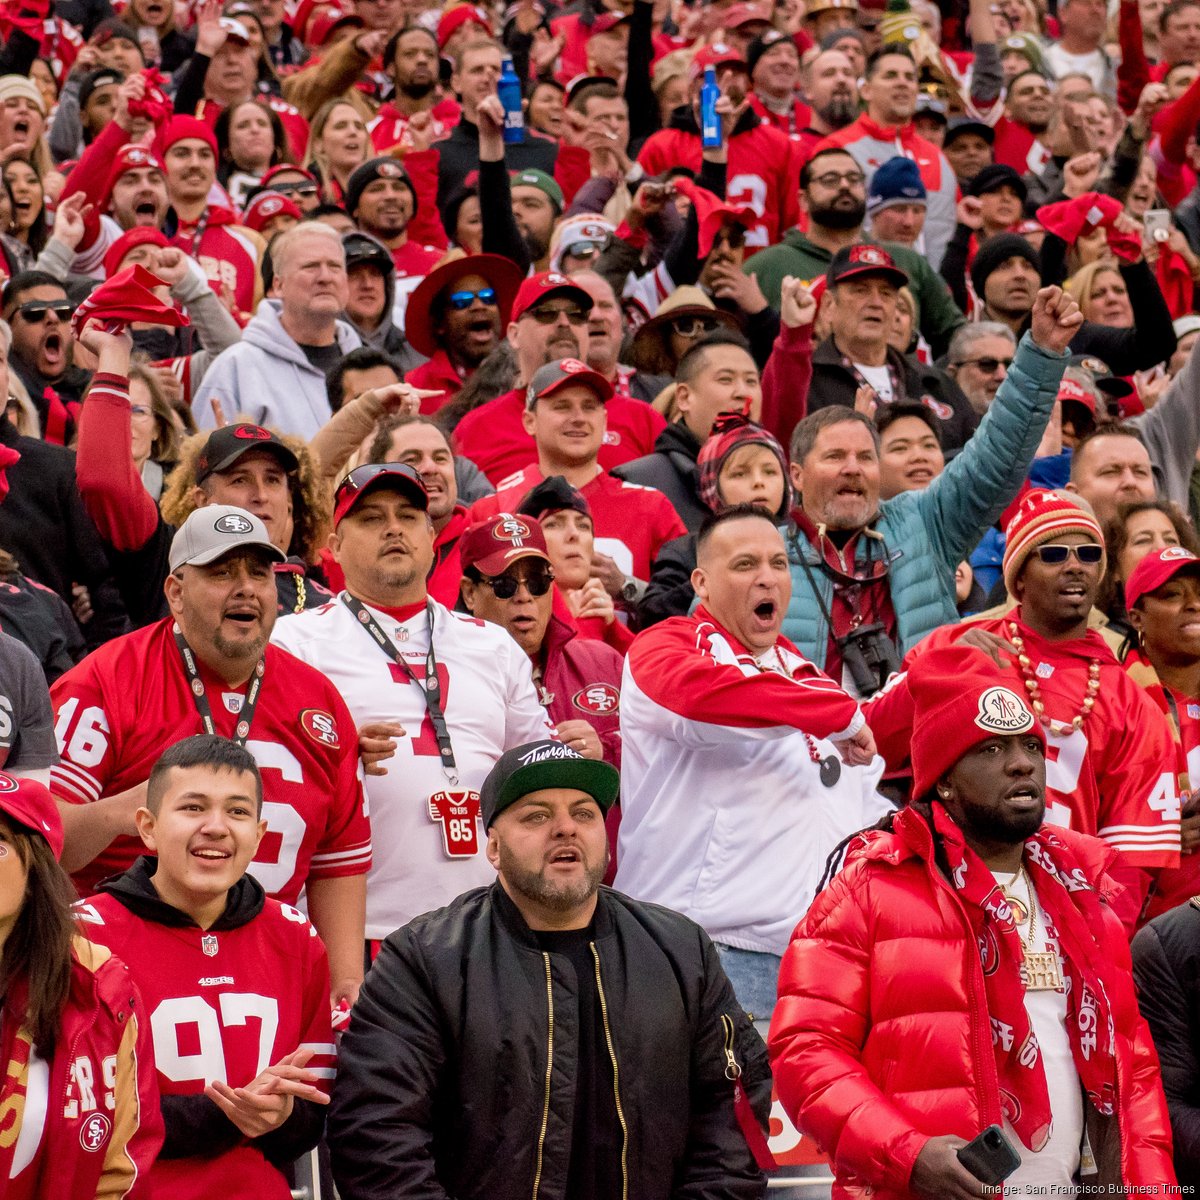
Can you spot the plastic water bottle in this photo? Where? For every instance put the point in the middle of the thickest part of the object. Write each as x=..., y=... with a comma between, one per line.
x=509, y=91
x=710, y=121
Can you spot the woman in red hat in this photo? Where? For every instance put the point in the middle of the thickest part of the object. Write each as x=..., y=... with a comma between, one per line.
x=79, y=1108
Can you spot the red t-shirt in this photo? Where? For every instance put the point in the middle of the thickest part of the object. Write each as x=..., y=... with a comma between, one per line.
x=119, y=709
x=631, y=522
x=494, y=439
x=223, y=1005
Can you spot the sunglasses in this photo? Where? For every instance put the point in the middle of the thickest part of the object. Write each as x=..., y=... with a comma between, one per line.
x=504, y=587
x=581, y=250
x=987, y=365
x=34, y=311
x=361, y=476
x=295, y=189
x=462, y=300
x=549, y=316
x=1055, y=555
x=694, y=326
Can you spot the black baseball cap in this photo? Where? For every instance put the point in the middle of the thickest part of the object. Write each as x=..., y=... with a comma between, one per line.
x=995, y=176
x=553, y=494
x=227, y=444
x=851, y=262
x=545, y=764
x=964, y=125
x=1102, y=375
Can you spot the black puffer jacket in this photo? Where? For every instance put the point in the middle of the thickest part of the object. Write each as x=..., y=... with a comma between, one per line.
x=671, y=468
x=1166, y=968
x=444, y=1088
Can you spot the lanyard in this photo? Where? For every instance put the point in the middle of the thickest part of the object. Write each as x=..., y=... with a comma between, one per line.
x=198, y=233
x=431, y=688
x=200, y=694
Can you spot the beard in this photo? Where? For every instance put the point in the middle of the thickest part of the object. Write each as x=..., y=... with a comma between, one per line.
x=556, y=897
x=839, y=112
x=235, y=651
x=986, y=824
x=837, y=215
x=416, y=91
x=536, y=245
x=561, y=344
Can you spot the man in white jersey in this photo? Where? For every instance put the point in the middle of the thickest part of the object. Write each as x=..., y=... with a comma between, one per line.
x=439, y=695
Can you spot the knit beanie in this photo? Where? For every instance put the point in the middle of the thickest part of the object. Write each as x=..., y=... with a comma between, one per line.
x=139, y=235
x=960, y=698
x=997, y=250
x=383, y=167
x=130, y=157
x=898, y=181
x=12, y=86
x=731, y=432
x=1042, y=516
x=181, y=127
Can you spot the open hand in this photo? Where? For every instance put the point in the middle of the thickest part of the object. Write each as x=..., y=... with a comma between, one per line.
x=266, y=1102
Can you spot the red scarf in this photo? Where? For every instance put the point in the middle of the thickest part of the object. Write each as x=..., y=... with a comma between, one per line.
x=1072, y=910
x=16, y=1046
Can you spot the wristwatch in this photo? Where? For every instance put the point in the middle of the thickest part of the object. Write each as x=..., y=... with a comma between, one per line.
x=632, y=590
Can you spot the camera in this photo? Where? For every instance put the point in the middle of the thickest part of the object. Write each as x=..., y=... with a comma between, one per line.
x=870, y=656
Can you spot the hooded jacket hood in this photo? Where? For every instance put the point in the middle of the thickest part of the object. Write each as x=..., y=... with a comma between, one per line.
x=134, y=889
x=377, y=338
x=265, y=330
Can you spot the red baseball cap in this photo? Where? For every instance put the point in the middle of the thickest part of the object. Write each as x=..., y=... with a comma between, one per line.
x=1078, y=386
x=266, y=206
x=542, y=285
x=563, y=373
x=719, y=54
x=745, y=14
x=328, y=21
x=491, y=545
x=372, y=476
x=31, y=806
x=1156, y=569
x=852, y=262
x=280, y=169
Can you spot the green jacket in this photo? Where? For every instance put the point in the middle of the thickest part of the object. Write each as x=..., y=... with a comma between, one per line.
x=937, y=314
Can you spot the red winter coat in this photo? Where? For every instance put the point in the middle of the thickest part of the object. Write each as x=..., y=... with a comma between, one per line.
x=881, y=1038
x=582, y=682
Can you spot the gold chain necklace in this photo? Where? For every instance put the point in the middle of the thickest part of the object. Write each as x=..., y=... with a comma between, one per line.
x=1035, y=691
x=1041, y=970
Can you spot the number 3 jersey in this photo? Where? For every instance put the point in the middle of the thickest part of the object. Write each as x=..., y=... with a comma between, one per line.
x=223, y=1003
x=123, y=705
x=490, y=706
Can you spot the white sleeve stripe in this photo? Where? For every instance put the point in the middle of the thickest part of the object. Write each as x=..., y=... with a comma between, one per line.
x=79, y=783
x=329, y=1048
x=81, y=774
x=336, y=855
x=1140, y=830
x=1116, y=843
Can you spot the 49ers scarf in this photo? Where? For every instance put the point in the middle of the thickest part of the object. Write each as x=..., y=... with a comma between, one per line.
x=1072, y=910
x=16, y=1046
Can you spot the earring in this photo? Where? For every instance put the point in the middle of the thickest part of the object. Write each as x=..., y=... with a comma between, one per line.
x=944, y=793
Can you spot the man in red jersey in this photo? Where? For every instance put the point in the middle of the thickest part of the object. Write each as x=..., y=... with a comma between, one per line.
x=1110, y=759
x=236, y=985
x=565, y=409
x=207, y=667
x=549, y=320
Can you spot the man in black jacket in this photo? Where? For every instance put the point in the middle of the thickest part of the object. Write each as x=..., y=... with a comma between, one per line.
x=717, y=374
x=546, y=1036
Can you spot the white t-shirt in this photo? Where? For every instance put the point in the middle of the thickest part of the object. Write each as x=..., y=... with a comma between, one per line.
x=1058, y=1160
x=490, y=704
x=880, y=378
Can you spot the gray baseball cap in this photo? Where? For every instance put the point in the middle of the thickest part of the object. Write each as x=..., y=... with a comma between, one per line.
x=216, y=530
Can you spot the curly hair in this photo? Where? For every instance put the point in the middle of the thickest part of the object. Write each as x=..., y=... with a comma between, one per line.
x=311, y=502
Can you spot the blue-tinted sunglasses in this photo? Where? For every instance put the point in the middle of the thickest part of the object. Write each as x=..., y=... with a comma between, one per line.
x=461, y=300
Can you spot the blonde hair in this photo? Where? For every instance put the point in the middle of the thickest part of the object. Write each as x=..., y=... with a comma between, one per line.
x=28, y=424
x=1079, y=286
x=316, y=132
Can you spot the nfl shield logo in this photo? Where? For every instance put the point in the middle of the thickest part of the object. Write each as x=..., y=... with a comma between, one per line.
x=208, y=943
x=1044, y=670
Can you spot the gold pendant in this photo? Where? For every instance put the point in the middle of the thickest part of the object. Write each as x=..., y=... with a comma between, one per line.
x=1041, y=971
x=1019, y=911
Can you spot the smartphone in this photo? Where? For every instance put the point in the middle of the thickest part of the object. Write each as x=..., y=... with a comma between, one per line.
x=1157, y=223
x=990, y=1157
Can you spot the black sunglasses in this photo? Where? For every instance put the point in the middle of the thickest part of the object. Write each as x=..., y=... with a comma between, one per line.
x=549, y=316
x=987, y=365
x=694, y=326
x=1055, y=555
x=462, y=300
x=34, y=311
x=361, y=476
x=300, y=188
x=504, y=587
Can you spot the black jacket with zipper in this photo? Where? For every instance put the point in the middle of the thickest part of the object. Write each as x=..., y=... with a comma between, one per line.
x=671, y=468
x=456, y=1077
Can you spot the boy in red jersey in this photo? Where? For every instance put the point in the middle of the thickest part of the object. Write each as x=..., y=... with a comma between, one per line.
x=237, y=985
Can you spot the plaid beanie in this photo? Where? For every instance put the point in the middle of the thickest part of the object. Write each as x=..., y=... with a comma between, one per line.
x=731, y=432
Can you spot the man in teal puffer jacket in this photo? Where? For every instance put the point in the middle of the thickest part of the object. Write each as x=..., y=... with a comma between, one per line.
x=858, y=562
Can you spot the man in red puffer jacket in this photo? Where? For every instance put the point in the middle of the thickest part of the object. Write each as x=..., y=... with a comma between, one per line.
x=965, y=970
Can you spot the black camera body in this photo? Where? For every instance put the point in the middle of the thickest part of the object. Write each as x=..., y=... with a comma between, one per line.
x=870, y=656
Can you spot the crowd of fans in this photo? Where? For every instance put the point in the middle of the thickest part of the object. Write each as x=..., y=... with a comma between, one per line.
x=583, y=584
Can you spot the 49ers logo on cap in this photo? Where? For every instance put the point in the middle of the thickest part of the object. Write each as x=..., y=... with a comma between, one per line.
x=572, y=366
x=320, y=726
x=389, y=170
x=135, y=156
x=510, y=529
x=272, y=204
x=233, y=523
x=554, y=279
x=599, y=699
x=1177, y=554
x=252, y=433
x=94, y=1132
x=8, y=783
x=871, y=255
x=943, y=412
x=1001, y=711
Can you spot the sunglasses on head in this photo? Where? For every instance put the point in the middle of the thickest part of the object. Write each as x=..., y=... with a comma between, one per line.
x=581, y=250
x=461, y=300
x=549, y=316
x=1055, y=555
x=361, y=476
x=504, y=587
x=694, y=326
x=34, y=311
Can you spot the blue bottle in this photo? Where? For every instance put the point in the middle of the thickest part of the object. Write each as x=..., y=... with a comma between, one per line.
x=710, y=122
x=509, y=91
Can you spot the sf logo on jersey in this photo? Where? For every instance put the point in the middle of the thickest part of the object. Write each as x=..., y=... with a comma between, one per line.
x=94, y=1131
x=599, y=698
x=320, y=726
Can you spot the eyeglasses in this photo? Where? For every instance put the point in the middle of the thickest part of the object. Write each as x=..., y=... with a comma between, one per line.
x=987, y=365
x=1055, y=555
x=689, y=327
x=34, y=311
x=549, y=316
x=581, y=250
x=462, y=300
x=832, y=179
x=504, y=587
